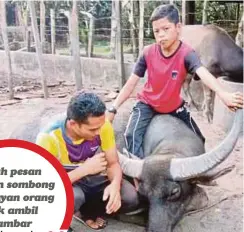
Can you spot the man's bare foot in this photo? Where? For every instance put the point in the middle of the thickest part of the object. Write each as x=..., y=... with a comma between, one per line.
x=98, y=224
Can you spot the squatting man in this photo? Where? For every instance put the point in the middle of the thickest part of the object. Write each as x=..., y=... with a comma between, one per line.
x=97, y=181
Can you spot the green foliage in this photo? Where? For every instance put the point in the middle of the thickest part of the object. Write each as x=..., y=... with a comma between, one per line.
x=83, y=35
x=216, y=11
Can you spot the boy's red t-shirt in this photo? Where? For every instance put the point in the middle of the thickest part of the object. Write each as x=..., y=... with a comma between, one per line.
x=165, y=77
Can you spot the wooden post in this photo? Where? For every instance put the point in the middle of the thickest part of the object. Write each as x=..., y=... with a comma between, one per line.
x=238, y=11
x=183, y=12
x=70, y=36
x=38, y=46
x=27, y=30
x=141, y=26
x=239, y=35
x=53, y=29
x=28, y=40
x=113, y=32
x=6, y=47
x=90, y=36
x=42, y=22
x=76, y=46
x=204, y=12
x=132, y=29
x=119, y=45
x=21, y=19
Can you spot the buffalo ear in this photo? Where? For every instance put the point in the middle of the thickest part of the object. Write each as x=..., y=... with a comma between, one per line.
x=208, y=178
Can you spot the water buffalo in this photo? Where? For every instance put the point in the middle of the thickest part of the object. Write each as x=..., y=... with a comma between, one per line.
x=218, y=53
x=175, y=161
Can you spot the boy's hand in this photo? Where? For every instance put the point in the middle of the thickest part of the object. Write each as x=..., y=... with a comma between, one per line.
x=110, y=116
x=232, y=100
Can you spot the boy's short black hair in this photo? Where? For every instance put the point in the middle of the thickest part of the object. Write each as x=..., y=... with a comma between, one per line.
x=83, y=105
x=169, y=11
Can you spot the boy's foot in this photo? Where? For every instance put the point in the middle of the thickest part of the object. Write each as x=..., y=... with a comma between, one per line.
x=97, y=224
x=129, y=155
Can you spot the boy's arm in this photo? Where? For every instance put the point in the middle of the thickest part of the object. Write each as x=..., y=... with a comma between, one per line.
x=232, y=100
x=126, y=90
x=138, y=72
x=193, y=65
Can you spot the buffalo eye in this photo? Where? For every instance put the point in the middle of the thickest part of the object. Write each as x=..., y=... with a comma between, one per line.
x=174, y=194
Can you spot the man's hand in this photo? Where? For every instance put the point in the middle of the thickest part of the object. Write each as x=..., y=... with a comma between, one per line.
x=232, y=100
x=96, y=164
x=112, y=192
x=110, y=116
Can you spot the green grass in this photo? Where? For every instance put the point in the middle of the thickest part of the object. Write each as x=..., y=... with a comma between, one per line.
x=100, y=48
x=105, y=49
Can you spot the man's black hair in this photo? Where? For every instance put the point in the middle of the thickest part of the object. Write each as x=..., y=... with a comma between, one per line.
x=168, y=11
x=83, y=105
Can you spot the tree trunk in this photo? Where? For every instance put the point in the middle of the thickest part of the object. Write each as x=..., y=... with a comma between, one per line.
x=76, y=46
x=38, y=47
x=239, y=35
x=132, y=30
x=53, y=29
x=42, y=23
x=119, y=45
x=204, y=12
x=6, y=47
x=113, y=32
x=141, y=26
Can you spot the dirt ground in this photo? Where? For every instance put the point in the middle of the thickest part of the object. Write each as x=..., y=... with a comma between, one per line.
x=225, y=216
